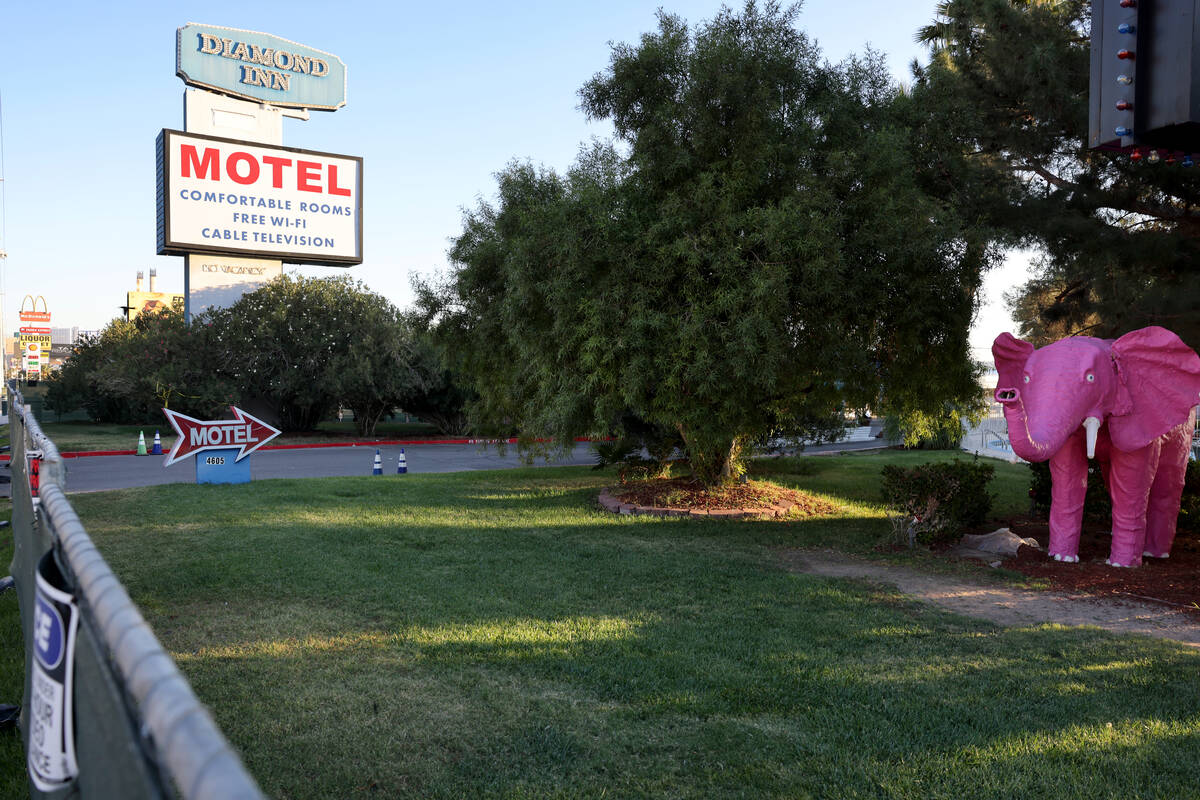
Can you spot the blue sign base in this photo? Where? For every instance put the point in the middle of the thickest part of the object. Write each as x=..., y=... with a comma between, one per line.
x=218, y=466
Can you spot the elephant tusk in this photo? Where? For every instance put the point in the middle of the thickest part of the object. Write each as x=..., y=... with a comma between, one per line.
x=1092, y=426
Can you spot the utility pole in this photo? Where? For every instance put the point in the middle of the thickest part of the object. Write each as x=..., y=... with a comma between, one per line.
x=4, y=399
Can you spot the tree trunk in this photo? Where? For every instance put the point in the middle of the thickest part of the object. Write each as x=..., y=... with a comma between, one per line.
x=365, y=419
x=448, y=424
x=715, y=460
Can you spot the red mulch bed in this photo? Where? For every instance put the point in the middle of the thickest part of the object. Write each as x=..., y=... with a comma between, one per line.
x=683, y=493
x=1175, y=580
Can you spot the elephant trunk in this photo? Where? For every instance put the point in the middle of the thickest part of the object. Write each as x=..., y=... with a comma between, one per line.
x=1038, y=442
x=1092, y=426
x=1023, y=443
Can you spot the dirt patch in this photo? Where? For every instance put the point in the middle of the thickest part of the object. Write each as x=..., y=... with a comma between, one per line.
x=1173, y=581
x=1007, y=605
x=684, y=494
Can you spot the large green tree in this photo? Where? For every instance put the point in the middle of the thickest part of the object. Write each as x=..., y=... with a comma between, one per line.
x=755, y=252
x=290, y=351
x=1008, y=82
x=298, y=346
x=130, y=370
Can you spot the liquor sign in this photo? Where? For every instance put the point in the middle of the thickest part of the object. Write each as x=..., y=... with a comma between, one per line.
x=42, y=340
x=260, y=67
x=224, y=196
x=35, y=348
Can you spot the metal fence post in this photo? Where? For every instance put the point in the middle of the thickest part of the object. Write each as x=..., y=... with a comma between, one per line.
x=140, y=731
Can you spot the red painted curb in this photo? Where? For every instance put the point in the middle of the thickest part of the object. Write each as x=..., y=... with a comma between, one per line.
x=316, y=445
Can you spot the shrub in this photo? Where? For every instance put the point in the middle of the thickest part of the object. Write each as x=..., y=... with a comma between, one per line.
x=936, y=501
x=1095, y=504
x=1098, y=504
x=131, y=370
x=1189, y=512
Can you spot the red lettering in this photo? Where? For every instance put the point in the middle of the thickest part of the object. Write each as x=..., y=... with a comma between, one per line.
x=190, y=160
x=231, y=168
x=277, y=165
x=333, y=187
x=306, y=173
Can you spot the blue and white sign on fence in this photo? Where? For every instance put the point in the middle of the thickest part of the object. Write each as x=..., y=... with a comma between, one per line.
x=52, y=763
x=259, y=66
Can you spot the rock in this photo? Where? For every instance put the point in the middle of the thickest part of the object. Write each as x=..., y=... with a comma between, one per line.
x=608, y=502
x=1001, y=541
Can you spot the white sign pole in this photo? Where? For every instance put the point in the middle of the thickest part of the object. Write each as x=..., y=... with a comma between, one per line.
x=205, y=284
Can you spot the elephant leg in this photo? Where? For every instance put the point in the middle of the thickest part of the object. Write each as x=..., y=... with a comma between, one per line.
x=1162, y=513
x=1131, y=474
x=1068, y=488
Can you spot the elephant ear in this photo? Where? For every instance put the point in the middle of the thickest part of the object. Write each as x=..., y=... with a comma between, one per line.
x=1011, y=354
x=1158, y=384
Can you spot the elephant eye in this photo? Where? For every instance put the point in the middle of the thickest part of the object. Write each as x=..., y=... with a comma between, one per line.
x=1091, y=378
x=1027, y=379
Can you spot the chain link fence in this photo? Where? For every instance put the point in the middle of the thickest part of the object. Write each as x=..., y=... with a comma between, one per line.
x=105, y=712
x=989, y=437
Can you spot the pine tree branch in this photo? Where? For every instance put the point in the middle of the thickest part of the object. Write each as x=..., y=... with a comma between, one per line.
x=1158, y=211
x=1046, y=175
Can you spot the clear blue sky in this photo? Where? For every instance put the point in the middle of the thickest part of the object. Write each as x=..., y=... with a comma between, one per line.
x=438, y=101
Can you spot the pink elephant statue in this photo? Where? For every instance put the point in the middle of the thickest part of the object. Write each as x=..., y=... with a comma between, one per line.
x=1130, y=403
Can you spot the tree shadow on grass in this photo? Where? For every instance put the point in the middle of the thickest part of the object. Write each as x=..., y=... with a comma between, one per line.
x=521, y=643
x=725, y=680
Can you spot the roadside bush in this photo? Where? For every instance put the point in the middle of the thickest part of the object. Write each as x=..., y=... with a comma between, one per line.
x=1098, y=504
x=1189, y=512
x=129, y=371
x=289, y=352
x=936, y=501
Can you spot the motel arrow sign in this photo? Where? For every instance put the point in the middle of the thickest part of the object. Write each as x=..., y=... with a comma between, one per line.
x=246, y=431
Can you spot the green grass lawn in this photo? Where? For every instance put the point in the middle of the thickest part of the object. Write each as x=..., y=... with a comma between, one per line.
x=493, y=634
x=12, y=755
x=12, y=666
